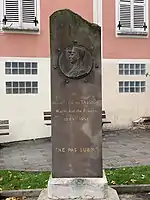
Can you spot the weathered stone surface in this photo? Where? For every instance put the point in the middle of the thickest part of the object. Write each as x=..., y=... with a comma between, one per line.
x=76, y=96
x=71, y=188
x=111, y=195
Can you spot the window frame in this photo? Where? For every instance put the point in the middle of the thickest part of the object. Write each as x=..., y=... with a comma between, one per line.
x=28, y=90
x=126, y=88
x=26, y=70
x=126, y=67
x=20, y=26
x=132, y=31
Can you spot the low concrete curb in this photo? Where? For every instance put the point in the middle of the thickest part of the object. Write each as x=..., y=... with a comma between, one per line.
x=121, y=189
x=131, y=189
x=22, y=142
x=20, y=193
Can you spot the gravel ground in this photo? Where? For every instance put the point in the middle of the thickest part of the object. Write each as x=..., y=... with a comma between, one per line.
x=143, y=196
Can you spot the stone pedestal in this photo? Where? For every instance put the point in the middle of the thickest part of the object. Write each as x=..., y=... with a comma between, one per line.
x=76, y=106
x=78, y=188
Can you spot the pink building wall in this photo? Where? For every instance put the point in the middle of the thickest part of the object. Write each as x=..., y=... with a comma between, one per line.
x=37, y=45
x=121, y=47
x=27, y=45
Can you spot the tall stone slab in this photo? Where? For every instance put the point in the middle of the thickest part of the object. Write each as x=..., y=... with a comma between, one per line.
x=76, y=96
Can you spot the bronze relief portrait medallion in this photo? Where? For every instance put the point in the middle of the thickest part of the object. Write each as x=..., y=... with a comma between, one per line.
x=75, y=62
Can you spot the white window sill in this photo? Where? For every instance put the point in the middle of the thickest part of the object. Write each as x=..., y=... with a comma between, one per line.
x=131, y=33
x=20, y=29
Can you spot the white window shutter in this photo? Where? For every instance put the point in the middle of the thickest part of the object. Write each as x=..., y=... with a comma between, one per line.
x=29, y=13
x=139, y=15
x=124, y=23
x=11, y=16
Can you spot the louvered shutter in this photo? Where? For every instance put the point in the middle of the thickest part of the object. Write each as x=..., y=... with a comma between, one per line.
x=28, y=13
x=11, y=13
x=125, y=15
x=139, y=15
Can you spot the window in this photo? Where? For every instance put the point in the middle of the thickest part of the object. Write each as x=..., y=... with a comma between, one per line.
x=20, y=14
x=132, y=17
x=21, y=68
x=131, y=86
x=22, y=87
x=132, y=69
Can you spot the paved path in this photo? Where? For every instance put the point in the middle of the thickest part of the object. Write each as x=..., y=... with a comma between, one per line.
x=122, y=148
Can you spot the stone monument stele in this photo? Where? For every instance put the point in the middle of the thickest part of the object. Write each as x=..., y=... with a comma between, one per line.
x=76, y=105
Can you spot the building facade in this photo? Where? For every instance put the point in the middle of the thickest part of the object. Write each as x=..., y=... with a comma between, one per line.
x=126, y=60
x=25, y=61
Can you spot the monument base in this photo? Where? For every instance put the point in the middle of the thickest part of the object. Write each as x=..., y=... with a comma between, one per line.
x=78, y=188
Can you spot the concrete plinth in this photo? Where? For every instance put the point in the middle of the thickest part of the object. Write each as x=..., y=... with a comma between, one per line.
x=78, y=188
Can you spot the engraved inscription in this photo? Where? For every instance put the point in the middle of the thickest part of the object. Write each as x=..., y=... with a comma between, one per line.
x=79, y=150
x=76, y=118
x=75, y=62
x=91, y=100
x=61, y=150
x=76, y=109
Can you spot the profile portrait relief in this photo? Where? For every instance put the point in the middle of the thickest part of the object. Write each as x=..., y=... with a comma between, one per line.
x=75, y=62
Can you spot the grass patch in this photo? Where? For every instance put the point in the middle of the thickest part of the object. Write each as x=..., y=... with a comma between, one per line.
x=15, y=180
x=129, y=175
